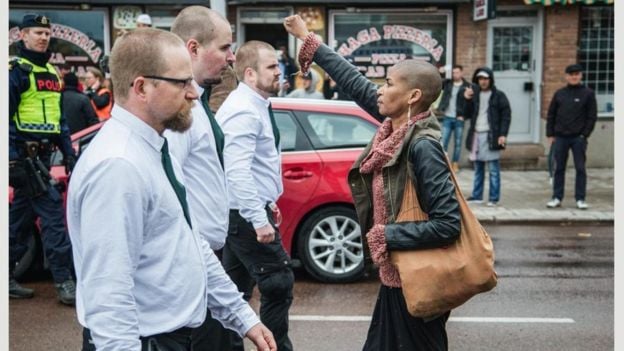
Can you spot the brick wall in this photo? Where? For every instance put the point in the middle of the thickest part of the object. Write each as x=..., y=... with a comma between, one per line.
x=470, y=41
x=561, y=30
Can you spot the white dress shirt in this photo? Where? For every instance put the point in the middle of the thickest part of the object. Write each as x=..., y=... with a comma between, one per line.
x=253, y=166
x=141, y=269
x=206, y=188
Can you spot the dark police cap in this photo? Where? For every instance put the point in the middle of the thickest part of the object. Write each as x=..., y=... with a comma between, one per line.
x=32, y=20
x=574, y=68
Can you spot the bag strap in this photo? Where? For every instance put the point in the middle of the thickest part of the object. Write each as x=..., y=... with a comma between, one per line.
x=410, y=206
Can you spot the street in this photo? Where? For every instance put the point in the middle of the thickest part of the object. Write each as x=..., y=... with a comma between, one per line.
x=555, y=292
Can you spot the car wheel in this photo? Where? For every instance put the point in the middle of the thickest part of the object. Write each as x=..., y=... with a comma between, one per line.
x=26, y=263
x=330, y=245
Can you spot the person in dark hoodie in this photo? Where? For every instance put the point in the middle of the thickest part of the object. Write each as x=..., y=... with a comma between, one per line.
x=36, y=125
x=452, y=106
x=77, y=106
x=571, y=119
x=490, y=116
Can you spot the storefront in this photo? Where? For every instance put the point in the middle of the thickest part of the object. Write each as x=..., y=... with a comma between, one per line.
x=84, y=31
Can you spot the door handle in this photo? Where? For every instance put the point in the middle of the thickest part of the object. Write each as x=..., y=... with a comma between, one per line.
x=297, y=173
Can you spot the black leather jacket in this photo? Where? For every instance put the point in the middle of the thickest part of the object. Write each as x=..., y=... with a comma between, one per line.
x=421, y=153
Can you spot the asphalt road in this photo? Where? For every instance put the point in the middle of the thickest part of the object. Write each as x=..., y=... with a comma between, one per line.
x=555, y=292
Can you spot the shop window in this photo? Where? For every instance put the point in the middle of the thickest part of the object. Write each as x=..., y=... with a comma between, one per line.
x=376, y=40
x=596, y=54
x=78, y=38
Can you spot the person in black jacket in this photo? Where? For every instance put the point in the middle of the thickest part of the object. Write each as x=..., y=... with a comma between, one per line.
x=408, y=139
x=452, y=107
x=571, y=119
x=76, y=106
x=490, y=116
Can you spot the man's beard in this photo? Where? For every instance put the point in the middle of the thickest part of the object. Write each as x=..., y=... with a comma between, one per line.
x=208, y=82
x=182, y=121
x=271, y=89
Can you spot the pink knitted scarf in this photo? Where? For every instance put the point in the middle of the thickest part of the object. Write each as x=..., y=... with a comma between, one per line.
x=385, y=145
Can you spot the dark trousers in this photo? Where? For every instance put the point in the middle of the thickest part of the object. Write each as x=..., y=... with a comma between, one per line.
x=249, y=262
x=57, y=247
x=562, y=145
x=177, y=340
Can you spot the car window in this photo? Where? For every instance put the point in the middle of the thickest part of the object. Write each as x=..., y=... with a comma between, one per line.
x=332, y=131
x=292, y=137
x=56, y=159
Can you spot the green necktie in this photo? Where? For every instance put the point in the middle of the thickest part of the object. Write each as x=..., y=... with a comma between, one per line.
x=276, y=133
x=216, y=130
x=177, y=186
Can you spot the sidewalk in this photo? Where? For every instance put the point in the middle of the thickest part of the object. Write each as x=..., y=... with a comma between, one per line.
x=524, y=195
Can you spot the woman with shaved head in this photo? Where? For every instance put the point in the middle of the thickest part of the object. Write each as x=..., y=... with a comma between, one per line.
x=406, y=145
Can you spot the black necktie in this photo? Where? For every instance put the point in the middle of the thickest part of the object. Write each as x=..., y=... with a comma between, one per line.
x=216, y=130
x=177, y=186
x=276, y=133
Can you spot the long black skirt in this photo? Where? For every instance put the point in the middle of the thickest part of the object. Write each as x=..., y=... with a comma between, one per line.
x=393, y=328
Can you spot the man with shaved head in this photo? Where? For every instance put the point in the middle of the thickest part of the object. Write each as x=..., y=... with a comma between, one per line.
x=146, y=276
x=208, y=40
x=404, y=153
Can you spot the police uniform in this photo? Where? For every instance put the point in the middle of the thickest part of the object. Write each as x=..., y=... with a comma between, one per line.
x=36, y=125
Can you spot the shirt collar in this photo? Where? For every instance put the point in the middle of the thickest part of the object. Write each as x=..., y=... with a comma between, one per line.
x=198, y=87
x=136, y=125
x=257, y=97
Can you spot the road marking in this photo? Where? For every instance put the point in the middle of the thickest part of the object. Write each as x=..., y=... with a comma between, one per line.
x=510, y=320
x=317, y=318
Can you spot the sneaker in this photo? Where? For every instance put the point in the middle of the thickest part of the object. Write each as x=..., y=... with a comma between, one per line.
x=17, y=291
x=472, y=200
x=492, y=204
x=581, y=205
x=66, y=292
x=553, y=203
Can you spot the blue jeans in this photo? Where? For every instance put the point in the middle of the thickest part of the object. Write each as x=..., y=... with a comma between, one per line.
x=477, y=189
x=450, y=125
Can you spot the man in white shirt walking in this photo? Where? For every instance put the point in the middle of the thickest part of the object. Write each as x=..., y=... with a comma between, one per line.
x=145, y=277
x=253, y=251
x=208, y=39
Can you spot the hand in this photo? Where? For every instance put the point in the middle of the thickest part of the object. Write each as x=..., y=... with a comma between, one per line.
x=460, y=118
x=262, y=337
x=70, y=163
x=296, y=27
x=468, y=93
x=502, y=140
x=551, y=140
x=265, y=234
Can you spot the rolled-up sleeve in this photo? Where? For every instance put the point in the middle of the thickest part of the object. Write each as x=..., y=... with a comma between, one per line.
x=241, y=130
x=110, y=240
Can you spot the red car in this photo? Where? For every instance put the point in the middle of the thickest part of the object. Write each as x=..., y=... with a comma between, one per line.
x=320, y=141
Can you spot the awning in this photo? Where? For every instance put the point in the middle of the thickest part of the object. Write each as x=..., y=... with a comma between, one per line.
x=569, y=2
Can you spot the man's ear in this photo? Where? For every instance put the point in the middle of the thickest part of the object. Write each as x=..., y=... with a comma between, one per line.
x=192, y=46
x=138, y=86
x=415, y=96
x=250, y=75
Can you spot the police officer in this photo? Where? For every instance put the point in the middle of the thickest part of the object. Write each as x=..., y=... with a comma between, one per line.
x=36, y=125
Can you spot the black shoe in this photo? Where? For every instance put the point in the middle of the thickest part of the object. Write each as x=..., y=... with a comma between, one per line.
x=17, y=291
x=66, y=292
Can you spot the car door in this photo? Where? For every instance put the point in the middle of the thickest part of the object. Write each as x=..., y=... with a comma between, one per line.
x=301, y=172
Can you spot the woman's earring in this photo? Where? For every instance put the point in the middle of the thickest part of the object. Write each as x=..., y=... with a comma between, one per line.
x=409, y=111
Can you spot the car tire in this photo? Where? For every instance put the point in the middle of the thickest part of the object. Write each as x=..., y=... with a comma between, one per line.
x=27, y=263
x=330, y=245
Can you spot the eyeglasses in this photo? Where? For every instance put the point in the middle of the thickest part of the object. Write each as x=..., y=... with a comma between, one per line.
x=185, y=82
